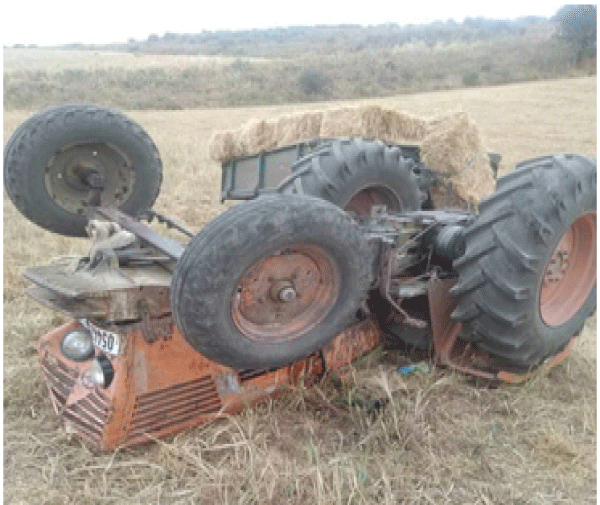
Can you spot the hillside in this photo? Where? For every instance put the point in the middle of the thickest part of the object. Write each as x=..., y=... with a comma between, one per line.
x=294, y=64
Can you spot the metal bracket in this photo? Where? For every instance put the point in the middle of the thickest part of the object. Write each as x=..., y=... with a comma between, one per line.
x=150, y=215
x=385, y=279
x=450, y=350
x=171, y=248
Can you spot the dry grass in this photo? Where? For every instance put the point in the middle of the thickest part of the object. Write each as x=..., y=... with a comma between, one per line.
x=39, y=77
x=442, y=439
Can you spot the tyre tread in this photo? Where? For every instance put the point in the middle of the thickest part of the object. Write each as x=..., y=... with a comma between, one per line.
x=26, y=138
x=501, y=269
x=205, y=267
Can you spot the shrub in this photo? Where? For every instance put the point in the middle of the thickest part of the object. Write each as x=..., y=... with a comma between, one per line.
x=471, y=78
x=312, y=82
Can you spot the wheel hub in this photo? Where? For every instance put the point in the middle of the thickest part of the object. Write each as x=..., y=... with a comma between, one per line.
x=285, y=294
x=363, y=200
x=67, y=175
x=557, y=265
x=570, y=273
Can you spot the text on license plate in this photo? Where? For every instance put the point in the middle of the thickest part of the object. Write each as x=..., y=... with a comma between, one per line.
x=106, y=340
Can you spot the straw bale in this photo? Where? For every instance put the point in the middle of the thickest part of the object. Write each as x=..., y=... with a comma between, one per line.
x=257, y=136
x=366, y=121
x=401, y=126
x=304, y=126
x=449, y=144
x=453, y=146
x=223, y=146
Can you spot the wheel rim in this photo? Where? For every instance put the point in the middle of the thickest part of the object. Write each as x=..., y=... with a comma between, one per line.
x=66, y=171
x=363, y=200
x=286, y=294
x=570, y=273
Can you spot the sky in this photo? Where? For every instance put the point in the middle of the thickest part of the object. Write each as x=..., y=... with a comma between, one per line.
x=105, y=21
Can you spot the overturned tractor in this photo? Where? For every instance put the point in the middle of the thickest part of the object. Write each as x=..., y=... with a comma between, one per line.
x=338, y=245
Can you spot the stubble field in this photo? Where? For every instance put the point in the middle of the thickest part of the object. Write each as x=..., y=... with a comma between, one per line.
x=443, y=438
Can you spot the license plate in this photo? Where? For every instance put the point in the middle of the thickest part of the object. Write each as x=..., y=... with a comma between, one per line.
x=108, y=341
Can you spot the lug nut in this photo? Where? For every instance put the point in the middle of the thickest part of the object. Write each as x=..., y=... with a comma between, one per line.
x=287, y=294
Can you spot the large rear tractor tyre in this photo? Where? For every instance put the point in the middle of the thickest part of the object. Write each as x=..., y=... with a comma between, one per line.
x=356, y=174
x=527, y=281
x=51, y=158
x=271, y=281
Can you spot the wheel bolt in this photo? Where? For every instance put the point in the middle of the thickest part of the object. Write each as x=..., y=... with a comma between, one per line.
x=287, y=294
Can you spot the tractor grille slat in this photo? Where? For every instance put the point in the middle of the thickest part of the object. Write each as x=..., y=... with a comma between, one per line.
x=93, y=432
x=88, y=415
x=60, y=379
x=80, y=411
x=175, y=405
x=59, y=387
x=187, y=396
x=171, y=423
x=90, y=409
x=65, y=369
x=99, y=401
x=173, y=417
x=60, y=397
x=203, y=384
x=60, y=369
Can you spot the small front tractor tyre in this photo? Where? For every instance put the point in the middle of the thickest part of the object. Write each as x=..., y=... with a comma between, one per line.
x=527, y=281
x=271, y=281
x=50, y=159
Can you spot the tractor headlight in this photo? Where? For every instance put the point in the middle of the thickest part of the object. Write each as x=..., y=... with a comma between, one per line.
x=77, y=345
x=101, y=372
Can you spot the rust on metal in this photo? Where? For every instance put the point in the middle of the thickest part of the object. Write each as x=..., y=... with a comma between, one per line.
x=366, y=198
x=451, y=350
x=570, y=273
x=385, y=281
x=351, y=343
x=164, y=387
x=517, y=378
x=284, y=295
x=153, y=328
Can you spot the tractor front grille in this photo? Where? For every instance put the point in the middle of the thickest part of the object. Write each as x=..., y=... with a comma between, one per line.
x=173, y=406
x=60, y=379
x=88, y=415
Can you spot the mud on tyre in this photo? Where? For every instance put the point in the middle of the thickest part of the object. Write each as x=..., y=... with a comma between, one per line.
x=48, y=159
x=527, y=282
x=271, y=280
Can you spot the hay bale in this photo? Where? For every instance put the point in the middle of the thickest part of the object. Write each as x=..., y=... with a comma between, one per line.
x=303, y=126
x=366, y=121
x=224, y=147
x=449, y=144
x=261, y=135
x=257, y=136
x=401, y=126
x=453, y=146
